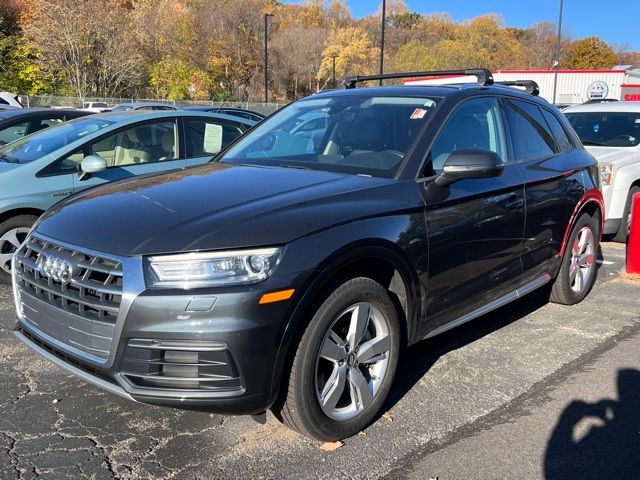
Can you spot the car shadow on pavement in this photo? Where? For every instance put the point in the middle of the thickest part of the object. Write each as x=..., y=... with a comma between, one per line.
x=419, y=358
x=598, y=440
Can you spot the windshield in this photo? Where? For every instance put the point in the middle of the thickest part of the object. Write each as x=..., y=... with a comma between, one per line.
x=358, y=134
x=117, y=108
x=607, y=129
x=38, y=144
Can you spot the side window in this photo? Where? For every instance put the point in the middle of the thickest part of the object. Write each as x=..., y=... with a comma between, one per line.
x=529, y=131
x=148, y=143
x=560, y=134
x=475, y=123
x=208, y=136
x=42, y=123
x=13, y=132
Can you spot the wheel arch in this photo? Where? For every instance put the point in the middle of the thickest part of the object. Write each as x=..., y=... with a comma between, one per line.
x=592, y=203
x=6, y=215
x=379, y=259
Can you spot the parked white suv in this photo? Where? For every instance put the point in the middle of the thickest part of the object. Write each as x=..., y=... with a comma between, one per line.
x=611, y=133
x=95, y=107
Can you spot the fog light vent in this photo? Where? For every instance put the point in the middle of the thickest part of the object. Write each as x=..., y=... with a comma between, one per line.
x=180, y=364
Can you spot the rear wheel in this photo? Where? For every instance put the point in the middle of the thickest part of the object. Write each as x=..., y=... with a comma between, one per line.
x=625, y=225
x=578, y=269
x=344, y=365
x=12, y=233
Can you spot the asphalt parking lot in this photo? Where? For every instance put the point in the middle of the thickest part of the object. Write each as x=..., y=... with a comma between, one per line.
x=450, y=390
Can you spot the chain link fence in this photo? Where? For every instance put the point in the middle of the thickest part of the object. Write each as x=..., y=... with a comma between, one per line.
x=73, y=102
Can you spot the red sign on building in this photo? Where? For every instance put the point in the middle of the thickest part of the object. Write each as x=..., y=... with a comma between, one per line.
x=630, y=92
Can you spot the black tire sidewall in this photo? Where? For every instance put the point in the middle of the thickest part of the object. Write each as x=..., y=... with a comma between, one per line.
x=9, y=224
x=347, y=294
x=621, y=235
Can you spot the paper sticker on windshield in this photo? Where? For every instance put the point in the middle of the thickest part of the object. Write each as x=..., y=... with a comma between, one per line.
x=418, y=113
x=212, y=138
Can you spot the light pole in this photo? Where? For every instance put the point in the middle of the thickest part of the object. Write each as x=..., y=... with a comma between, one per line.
x=384, y=22
x=266, y=56
x=556, y=64
x=333, y=57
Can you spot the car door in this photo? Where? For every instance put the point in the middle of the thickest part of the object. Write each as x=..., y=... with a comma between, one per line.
x=475, y=226
x=206, y=137
x=546, y=154
x=145, y=147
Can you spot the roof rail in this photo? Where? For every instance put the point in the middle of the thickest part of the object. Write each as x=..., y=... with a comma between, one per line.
x=530, y=86
x=483, y=75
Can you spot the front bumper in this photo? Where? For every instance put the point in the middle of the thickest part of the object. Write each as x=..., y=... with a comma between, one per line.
x=209, y=349
x=612, y=225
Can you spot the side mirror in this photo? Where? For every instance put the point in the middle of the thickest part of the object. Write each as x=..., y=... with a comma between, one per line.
x=93, y=164
x=470, y=163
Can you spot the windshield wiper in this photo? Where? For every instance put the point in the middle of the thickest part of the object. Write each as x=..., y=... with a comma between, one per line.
x=6, y=159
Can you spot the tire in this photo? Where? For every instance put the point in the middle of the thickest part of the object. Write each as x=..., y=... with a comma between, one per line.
x=12, y=233
x=569, y=289
x=623, y=231
x=313, y=376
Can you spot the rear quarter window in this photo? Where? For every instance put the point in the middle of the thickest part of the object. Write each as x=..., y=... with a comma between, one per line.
x=560, y=134
x=530, y=133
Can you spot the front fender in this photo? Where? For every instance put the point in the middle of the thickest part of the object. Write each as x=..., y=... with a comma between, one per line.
x=399, y=239
x=624, y=178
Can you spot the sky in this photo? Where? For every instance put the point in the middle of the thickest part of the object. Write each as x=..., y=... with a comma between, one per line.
x=615, y=21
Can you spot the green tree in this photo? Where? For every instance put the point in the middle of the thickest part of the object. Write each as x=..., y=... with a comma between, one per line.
x=29, y=75
x=589, y=53
x=170, y=78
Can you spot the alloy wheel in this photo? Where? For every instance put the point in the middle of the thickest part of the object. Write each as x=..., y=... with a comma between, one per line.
x=582, y=260
x=10, y=241
x=352, y=361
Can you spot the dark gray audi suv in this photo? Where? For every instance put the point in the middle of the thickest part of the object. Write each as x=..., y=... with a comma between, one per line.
x=290, y=272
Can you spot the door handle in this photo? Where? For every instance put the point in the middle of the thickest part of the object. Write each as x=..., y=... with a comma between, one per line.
x=514, y=203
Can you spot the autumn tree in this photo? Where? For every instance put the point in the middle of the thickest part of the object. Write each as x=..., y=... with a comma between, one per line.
x=626, y=57
x=87, y=41
x=412, y=56
x=354, y=54
x=589, y=53
x=295, y=70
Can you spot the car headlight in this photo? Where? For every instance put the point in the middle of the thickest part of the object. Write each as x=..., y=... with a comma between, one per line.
x=212, y=269
x=606, y=173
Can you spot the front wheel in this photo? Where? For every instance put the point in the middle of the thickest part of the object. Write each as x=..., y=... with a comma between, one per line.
x=345, y=363
x=625, y=225
x=12, y=233
x=578, y=269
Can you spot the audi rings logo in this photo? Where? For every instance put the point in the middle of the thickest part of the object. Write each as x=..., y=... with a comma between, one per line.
x=57, y=268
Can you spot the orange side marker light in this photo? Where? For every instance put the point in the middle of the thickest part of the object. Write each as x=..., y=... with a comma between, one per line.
x=276, y=296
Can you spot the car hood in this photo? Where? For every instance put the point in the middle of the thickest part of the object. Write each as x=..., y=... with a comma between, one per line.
x=6, y=166
x=613, y=154
x=218, y=206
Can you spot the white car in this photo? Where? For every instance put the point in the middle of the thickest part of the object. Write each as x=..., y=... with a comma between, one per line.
x=8, y=99
x=611, y=133
x=95, y=107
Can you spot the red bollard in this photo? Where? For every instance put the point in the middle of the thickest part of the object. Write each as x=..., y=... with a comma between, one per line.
x=633, y=247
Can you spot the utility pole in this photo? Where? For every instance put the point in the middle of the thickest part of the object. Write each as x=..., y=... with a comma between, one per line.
x=266, y=56
x=334, y=71
x=556, y=64
x=384, y=23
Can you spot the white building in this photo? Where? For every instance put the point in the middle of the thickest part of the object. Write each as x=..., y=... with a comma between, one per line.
x=574, y=86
